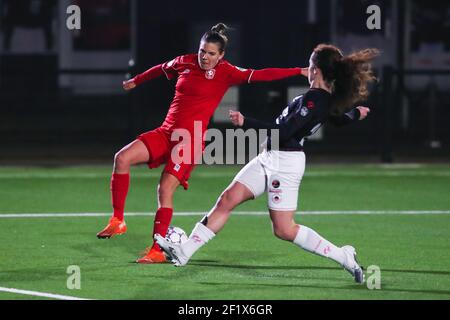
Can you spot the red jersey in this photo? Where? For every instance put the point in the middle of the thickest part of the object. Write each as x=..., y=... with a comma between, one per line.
x=198, y=92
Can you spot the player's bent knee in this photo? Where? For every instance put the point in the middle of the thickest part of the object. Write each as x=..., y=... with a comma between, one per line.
x=166, y=188
x=121, y=160
x=227, y=200
x=165, y=191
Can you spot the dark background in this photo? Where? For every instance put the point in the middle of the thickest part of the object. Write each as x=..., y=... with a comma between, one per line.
x=46, y=119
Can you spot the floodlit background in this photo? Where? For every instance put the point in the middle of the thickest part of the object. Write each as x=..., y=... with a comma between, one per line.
x=381, y=185
x=61, y=99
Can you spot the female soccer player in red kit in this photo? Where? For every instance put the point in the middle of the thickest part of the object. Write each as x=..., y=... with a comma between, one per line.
x=202, y=81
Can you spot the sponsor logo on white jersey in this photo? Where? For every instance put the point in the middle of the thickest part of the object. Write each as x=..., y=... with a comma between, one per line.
x=275, y=191
x=276, y=198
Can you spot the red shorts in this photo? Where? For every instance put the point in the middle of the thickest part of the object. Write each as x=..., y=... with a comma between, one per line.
x=160, y=148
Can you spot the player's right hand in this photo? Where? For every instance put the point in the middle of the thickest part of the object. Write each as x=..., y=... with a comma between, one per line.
x=305, y=72
x=129, y=84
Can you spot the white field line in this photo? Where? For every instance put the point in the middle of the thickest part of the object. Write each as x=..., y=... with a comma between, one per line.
x=39, y=294
x=241, y=213
x=213, y=175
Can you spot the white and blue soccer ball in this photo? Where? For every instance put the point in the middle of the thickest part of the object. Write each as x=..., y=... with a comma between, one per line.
x=176, y=235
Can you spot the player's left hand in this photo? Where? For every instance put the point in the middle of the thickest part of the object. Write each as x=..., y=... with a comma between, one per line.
x=236, y=118
x=364, y=111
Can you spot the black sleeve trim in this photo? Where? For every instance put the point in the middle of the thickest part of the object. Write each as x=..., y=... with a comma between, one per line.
x=347, y=118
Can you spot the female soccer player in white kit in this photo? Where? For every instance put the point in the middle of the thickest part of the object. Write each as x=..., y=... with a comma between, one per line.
x=336, y=82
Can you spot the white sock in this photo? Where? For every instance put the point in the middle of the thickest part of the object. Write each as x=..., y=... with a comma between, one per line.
x=199, y=237
x=311, y=241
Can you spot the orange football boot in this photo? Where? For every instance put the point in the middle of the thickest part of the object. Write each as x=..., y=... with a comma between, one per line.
x=153, y=256
x=115, y=227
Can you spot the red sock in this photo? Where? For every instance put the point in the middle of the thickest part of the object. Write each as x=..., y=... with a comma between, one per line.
x=119, y=190
x=162, y=221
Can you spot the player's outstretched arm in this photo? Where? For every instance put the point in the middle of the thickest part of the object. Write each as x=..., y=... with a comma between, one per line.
x=285, y=130
x=152, y=73
x=355, y=114
x=239, y=75
x=272, y=74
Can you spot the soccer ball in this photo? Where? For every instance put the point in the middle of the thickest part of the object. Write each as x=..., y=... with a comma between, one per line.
x=176, y=235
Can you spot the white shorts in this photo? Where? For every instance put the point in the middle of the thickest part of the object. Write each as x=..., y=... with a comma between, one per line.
x=278, y=173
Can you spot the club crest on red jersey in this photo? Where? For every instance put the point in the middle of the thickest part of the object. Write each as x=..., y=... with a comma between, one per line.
x=209, y=74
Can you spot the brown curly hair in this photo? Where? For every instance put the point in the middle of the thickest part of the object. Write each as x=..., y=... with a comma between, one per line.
x=348, y=75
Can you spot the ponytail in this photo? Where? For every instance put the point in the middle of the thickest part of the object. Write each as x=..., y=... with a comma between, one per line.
x=220, y=28
x=348, y=75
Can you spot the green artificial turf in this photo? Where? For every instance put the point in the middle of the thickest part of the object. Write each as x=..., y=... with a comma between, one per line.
x=244, y=261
